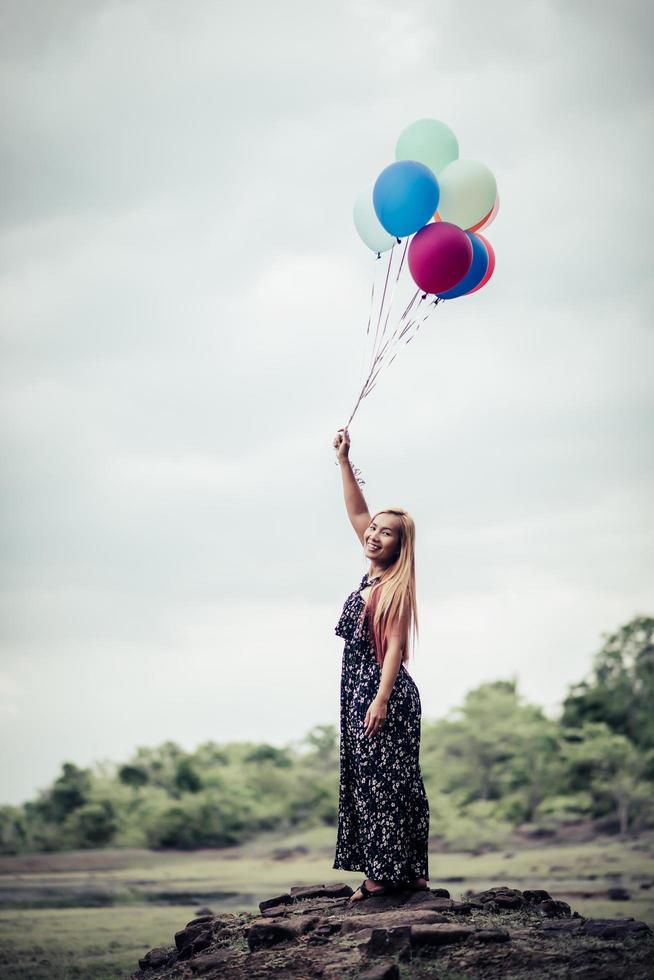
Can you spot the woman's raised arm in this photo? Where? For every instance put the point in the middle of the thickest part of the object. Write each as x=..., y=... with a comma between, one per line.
x=355, y=502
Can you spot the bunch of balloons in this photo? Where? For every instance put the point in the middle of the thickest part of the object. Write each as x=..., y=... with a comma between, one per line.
x=439, y=204
x=440, y=199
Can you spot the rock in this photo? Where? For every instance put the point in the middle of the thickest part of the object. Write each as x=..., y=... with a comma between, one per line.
x=562, y=926
x=265, y=932
x=615, y=928
x=382, y=971
x=299, y=937
x=269, y=903
x=385, y=941
x=224, y=921
x=489, y=935
x=618, y=894
x=199, y=921
x=262, y=933
x=439, y=934
x=198, y=942
x=536, y=896
x=213, y=961
x=275, y=910
x=390, y=919
x=329, y=926
x=552, y=909
x=416, y=900
x=204, y=911
x=441, y=904
x=155, y=958
x=301, y=892
x=189, y=933
x=502, y=897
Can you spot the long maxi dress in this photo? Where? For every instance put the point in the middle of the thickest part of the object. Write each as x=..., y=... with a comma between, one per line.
x=383, y=812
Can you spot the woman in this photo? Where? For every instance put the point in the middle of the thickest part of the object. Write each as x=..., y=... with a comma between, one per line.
x=383, y=814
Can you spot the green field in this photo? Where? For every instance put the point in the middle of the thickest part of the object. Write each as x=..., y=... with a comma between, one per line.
x=92, y=914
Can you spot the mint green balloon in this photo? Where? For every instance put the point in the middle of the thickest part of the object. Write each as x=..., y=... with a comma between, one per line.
x=468, y=192
x=370, y=228
x=428, y=141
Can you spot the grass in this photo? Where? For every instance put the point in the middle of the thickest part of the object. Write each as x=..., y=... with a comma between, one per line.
x=92, y=944
x=105, y=943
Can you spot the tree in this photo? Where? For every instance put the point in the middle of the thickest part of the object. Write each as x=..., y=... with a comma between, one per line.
x=92, y=825
x=70, y=791
x=498, y=748
x=270, y=754
x=186, y=778
x=322, y=742
x=133, y=776
x=611, y=768
x=620, y=690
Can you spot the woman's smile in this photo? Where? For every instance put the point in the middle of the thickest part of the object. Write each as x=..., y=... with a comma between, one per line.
x=381, y=539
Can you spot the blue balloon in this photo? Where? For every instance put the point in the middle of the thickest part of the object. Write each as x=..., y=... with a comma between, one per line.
x=405, y=197
x=475, y=273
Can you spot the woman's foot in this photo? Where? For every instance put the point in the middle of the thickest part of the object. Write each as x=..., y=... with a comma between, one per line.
x=372, y=886
x=420, y=884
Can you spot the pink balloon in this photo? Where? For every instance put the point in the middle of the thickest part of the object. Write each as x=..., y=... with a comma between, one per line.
x=491, y=264
x=440, y=255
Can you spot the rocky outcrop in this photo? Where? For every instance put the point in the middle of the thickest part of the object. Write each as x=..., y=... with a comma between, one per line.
x=314, y=931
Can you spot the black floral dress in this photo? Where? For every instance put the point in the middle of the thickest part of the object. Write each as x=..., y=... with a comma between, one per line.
x=383, y=813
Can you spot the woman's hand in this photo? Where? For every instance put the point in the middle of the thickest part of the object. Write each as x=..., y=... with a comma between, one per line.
x=342, y=444
x=375, y=717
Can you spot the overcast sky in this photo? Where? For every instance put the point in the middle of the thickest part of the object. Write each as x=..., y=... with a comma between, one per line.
x=184, y=302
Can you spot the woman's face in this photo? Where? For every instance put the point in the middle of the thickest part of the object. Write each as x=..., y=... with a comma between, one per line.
x=381, y=539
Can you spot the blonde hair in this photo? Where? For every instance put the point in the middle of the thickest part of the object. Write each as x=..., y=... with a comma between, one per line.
x=395, y=592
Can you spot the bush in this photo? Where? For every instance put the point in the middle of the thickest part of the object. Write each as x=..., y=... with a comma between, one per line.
x=91, y=825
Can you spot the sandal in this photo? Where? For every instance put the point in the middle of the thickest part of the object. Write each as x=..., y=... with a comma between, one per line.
x=367, y=893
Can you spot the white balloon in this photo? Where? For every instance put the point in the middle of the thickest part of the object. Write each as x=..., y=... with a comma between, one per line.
x=370, y=229
x=468, y=192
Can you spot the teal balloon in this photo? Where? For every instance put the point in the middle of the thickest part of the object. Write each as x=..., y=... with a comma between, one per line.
x=371, y=231
x=428, y=141
x=468, y=191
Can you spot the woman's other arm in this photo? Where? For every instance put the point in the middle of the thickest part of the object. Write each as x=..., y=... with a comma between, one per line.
x=355, y=502
x=378, y=709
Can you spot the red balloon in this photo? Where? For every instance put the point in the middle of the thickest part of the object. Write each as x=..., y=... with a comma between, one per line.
x=491, y=264
x=440, y=255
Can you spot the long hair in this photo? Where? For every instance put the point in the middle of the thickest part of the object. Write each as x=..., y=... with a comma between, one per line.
x=395, y=592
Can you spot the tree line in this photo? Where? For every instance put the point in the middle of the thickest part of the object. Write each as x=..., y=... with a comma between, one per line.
x=492, y=764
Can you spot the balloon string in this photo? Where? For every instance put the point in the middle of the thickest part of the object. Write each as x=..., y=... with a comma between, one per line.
x=381, y=308
x=400, y=333
x=370, y=312
x=397, y=277
x=372, y=294
x=378, y=362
